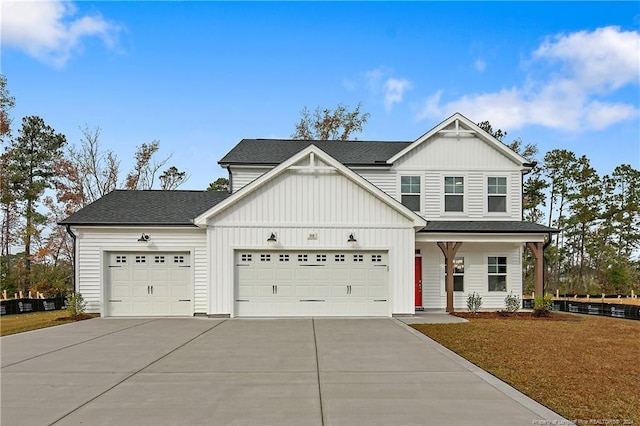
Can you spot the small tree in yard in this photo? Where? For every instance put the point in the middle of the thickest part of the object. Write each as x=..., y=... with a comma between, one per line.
x=76, y=305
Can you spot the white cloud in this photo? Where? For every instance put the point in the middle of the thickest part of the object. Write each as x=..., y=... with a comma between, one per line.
x=394, y=91
x=604, y=59
x=480, y=65
x=49, y=30
x=593, y=65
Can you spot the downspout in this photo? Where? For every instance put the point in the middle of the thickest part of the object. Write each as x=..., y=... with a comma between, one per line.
x=230, y=179
x=73, y=258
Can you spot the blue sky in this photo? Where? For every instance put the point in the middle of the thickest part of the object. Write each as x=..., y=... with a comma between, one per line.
x=200, y=76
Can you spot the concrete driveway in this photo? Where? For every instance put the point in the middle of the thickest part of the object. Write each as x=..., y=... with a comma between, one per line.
x=248, y=372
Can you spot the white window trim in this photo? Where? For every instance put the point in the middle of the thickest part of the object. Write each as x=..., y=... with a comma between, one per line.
x=465, y=194
x=486, y=273
x=422, y=187
x=507, y=211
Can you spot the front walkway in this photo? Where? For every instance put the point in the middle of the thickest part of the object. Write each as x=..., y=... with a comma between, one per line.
x=304, y=371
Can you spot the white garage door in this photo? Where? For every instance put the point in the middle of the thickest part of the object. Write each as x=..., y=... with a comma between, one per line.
x=149, y=284
x=311, y=283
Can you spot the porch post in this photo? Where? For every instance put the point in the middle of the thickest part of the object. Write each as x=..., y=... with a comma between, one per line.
x=538, y=253
x=449, y=250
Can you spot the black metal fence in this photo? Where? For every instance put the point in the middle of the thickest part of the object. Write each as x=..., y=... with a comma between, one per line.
x=616, y=310
x=21, y=306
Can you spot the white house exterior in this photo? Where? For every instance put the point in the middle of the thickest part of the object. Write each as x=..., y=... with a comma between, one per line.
x=318, y=228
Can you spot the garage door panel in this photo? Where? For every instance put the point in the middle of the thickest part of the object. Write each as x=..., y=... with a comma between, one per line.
x=143, y=284
x=308, y=283
x=179, y=291
x=284, y=275
x=119, y=291
x=139, y=274
x=140, y=289
x=303, y=274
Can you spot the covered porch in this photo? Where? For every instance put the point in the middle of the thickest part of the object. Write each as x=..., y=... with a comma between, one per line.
x=491, y=263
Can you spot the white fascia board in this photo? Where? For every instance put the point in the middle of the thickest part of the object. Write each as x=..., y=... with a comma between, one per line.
x=434, y=237
x=490, y=140
x=418, y=221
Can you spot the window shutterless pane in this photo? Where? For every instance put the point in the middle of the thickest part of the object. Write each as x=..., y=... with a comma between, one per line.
x=454, y=185
x=497, y=203
x=453, y=203
x=410, y=184
x=497, y=185
x=458, y=265
x=412, y=202
x=458, y=283
x=497, y=283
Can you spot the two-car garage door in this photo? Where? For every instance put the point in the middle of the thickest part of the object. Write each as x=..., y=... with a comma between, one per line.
x=311, y=283
x=149, y=284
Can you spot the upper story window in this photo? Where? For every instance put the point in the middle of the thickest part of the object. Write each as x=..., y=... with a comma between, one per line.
x=497, y=194
x=453, y=194
x=410, y=192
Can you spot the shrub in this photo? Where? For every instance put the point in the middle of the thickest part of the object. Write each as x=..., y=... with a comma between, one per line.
x=542, y=305
x=512, y=303
x=76, y=305
x=474, y=302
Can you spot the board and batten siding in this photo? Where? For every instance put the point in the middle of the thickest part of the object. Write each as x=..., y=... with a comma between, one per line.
x=434, y=295
x=93, y=244
x=310, y=211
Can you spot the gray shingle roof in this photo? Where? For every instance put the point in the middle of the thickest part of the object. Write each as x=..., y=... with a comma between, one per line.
x=486, y=226
x=151, y=207
x=275, y=151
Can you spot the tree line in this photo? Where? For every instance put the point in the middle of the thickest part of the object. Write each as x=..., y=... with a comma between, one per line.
x=43, y=179
x=598, y=216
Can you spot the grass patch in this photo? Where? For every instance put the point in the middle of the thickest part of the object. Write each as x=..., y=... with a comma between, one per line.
x=583, y=370
x=12, y=324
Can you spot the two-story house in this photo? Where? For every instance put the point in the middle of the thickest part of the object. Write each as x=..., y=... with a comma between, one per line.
x=318, y=228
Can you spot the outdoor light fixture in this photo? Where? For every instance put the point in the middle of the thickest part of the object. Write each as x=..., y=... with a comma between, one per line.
x=351, y=240
x=143, y=238
x=272, y=239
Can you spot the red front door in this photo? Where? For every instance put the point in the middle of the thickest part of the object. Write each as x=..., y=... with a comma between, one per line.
x=419, y=282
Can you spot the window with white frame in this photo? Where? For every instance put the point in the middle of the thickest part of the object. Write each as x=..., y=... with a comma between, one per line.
x=497, y=273
x=410, y=192
x=497, y=194
x=453, y=194
x=458, y=274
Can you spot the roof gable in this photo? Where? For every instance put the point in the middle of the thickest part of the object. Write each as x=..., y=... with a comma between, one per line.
x=149, y=207
x=317, y=160
x=459, y=126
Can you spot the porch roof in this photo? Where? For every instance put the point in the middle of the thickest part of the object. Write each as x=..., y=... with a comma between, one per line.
x=486, y=227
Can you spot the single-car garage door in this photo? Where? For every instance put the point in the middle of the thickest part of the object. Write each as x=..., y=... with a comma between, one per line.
x=149, y=284
x=311, y=283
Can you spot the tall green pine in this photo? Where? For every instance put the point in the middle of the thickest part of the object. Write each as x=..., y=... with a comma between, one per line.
x=31, y=170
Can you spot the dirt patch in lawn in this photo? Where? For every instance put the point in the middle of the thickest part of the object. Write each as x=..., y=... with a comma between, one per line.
x=522, y=316
x=586, y=368
x=77, y=317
